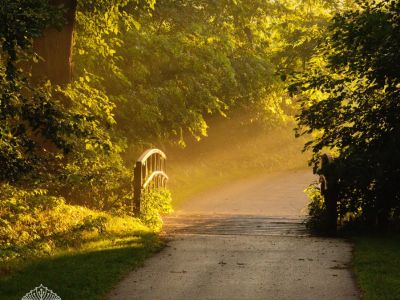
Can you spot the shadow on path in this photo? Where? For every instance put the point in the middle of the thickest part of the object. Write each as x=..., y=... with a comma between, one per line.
x=235, y=225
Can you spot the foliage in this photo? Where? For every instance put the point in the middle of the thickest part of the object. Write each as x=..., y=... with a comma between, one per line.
x=316, y=221
x=169, y=70
x=34, y=223
x=297, y=28
x=54, y=138
x=23, y=20
x=155, y=203
x=56, y=145
x=18, y=99
x=349, y=103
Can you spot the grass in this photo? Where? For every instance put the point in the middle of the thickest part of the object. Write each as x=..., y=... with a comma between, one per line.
x=377, y=266
x=85, y=271
x=230, y=152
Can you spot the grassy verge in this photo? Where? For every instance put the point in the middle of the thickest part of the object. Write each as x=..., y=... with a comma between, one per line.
x=87, y=270
x=230, y=152
x=377, y=266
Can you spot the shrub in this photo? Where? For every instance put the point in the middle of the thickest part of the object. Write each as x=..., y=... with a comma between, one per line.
x=32, y=223
x=317, y=213
x=155, y=203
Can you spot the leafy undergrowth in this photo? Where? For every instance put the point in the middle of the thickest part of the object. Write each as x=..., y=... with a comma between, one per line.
x=88, y=265
x=377, y=265
x=154, y=204
x=232, y=151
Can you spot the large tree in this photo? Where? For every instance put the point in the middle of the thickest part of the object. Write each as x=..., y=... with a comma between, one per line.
x=350, y=104
x=54, y=47
x=47, y=131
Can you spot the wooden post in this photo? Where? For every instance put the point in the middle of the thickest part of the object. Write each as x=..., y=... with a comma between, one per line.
x=137, y=187
x=329, y=190
x=331, y=198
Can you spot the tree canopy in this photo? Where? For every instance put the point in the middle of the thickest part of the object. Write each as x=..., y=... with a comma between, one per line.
x=349, y=100
x=170, y=68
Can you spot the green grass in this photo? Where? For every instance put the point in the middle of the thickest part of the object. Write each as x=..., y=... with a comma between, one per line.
x=87, y=270
x=377, y=266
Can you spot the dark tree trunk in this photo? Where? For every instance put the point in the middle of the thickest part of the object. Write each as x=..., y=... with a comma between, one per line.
x=55, y=48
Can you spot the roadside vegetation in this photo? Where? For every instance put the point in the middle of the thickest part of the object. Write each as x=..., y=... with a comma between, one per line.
x=85, y=264
x=78, y=252
x=350, y=109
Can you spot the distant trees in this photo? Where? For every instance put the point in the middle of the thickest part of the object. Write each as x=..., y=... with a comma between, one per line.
x=168, y=69
x=349, y=99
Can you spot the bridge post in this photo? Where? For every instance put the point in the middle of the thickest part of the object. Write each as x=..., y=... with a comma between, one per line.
x=137, y=187
x=329, y=190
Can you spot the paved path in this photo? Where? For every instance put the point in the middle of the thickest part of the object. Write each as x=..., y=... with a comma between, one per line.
x=245, y=240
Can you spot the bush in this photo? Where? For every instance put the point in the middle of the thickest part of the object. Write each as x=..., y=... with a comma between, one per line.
x=317, y=213
x=32, y=223
x=155, y=203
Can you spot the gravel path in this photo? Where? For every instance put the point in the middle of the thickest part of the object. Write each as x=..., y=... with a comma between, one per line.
x=245, y=240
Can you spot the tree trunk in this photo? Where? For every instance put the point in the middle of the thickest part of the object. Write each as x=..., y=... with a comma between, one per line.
x=55, y=48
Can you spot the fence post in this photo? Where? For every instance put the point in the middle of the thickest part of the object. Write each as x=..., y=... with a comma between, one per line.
x=329, y=190
x=137, y=187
